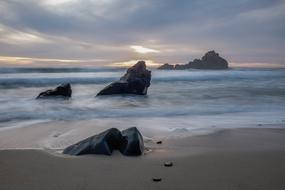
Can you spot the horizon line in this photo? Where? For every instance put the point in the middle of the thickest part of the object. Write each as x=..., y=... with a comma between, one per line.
x=11, y=61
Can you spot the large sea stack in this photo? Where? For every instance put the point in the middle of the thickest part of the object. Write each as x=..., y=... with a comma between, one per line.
x=211, y=60
x=135, y=81
x=62, y=91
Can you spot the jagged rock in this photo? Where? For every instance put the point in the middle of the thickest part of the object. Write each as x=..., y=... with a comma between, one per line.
x=103, y=143
x=132, y=144
x=64, y=90
x=129, y=142
x=135, y=81
x=211, y=60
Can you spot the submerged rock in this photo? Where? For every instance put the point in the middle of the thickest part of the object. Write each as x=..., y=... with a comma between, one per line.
x=135, y=81
x=211, y=60
x=129, y=142
x=64, y=90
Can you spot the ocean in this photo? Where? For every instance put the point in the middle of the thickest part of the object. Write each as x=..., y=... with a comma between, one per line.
x=187, y=102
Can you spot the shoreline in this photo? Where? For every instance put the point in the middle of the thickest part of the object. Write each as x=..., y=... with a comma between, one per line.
x=228, y=159
x=58, y=135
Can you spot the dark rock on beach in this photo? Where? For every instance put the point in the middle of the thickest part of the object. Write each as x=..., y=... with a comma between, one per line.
x=168, y=164
x=129, y=142
x=156, y=179
x=211, y=60
x=103, y=143
x=135, y=81
x=63, y=90
x=159, y=142
x=132, y=144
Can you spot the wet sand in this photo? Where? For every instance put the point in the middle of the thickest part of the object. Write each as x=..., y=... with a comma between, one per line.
x=228, y=159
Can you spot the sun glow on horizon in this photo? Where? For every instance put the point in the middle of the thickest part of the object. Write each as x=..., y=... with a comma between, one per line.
x=7, y=60
x=143, y=50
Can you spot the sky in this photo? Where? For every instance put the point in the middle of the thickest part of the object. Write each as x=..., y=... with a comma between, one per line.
x=104, y=32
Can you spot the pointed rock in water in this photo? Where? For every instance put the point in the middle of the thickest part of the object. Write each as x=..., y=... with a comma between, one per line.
x=132, y=144
x=129, y=142
x=211, y=60
x=63, y=90
x=103, y=143
x=135, y=81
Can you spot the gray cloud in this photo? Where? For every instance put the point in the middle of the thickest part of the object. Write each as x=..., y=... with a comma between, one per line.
x=242, y=31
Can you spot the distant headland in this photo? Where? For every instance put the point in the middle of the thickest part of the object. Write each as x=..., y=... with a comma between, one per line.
x=211, y=60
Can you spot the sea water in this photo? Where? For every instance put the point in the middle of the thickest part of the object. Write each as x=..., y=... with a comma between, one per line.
x=188, y=101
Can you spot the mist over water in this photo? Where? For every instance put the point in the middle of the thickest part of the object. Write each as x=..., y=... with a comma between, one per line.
x=189, y=100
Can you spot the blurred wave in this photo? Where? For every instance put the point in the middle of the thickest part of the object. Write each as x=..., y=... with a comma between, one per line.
x=190, y=94
x=29, y=77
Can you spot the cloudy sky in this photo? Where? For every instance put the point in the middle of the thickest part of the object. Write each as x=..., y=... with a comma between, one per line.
x=96, y=32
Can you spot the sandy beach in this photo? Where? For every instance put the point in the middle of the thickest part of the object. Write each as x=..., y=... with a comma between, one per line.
x=228, y=159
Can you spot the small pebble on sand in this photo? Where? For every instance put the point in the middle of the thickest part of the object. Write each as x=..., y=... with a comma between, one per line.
x=156, y=179
x=168, y=164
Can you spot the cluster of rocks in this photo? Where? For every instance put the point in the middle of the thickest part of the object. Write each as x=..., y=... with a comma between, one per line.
x=137, y=78
x=135, y=81
x=211, y=60
x=129, y=142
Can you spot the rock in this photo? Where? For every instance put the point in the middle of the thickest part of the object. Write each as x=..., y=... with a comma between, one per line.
x=129, y=142
x=168, y=164
x=63, y=90
x=156, y=179
x=132, y=144
x=135, y=81
x=159, y=142
x=103, y=143
x=211, y=60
